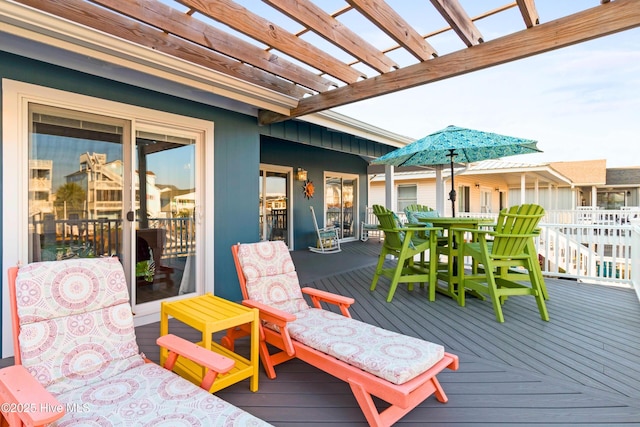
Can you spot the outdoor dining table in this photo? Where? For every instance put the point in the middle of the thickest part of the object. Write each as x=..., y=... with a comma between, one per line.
x=454, y=228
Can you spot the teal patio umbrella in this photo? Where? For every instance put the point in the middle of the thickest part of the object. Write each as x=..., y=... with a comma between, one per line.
x=457, y=145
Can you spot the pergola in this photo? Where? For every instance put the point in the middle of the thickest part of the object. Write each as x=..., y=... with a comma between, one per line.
x=289, y=58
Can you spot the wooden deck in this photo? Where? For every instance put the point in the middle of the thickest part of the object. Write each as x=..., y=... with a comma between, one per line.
x=581, y=368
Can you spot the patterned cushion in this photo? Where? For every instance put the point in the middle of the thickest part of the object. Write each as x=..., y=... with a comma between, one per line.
x=394, y=357
x=76, y=322
x=149, y=395
x=271, y=276
x=67, y=353
x=46, y=290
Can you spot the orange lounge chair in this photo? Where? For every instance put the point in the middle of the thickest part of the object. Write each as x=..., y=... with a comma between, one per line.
x=398, y=369
x=78, y=363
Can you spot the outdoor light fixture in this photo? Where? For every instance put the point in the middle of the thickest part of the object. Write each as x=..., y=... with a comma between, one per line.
x=301, y=174
x=477, y=185
x=497, y=188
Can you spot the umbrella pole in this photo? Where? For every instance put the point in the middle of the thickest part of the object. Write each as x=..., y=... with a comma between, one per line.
x=452, y=193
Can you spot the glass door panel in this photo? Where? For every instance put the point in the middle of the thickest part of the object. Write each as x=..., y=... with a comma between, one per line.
x=340, y=201
x=165, y=213
x=274, y=207
x=78, y=197
x=75, y=184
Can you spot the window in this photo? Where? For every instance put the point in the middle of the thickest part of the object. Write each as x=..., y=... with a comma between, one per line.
x=611, y=199
x=464, y=203
x=407, y=195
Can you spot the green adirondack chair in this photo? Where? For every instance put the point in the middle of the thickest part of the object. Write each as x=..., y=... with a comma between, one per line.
x=405, y=243
x=499, y=252
x=420, y=214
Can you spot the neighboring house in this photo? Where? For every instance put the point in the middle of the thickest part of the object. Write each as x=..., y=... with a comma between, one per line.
x=491, y=185
x=192, y=136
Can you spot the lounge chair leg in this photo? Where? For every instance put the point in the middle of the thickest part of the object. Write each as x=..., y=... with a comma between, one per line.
x=366, y=404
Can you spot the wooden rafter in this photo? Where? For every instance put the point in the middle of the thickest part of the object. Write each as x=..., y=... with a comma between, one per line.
x=592, y=23
x=258, y=28
x=389, y=21
x=127, y=29
x=314, y=18
x=529, y=12
x=182, y=25
x=459, y=21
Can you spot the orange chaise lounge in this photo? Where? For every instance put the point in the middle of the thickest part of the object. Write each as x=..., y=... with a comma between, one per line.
x=78, y=363
x=398, y=369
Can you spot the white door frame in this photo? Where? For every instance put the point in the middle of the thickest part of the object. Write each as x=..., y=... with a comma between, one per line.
x=16, y=97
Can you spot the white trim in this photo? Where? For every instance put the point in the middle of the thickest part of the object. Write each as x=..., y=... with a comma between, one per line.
x=15, y=119
x=356, y=203
x=340, y=122
x=267, y=167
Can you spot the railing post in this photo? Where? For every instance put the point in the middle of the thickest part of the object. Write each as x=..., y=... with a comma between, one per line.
x=635, y=255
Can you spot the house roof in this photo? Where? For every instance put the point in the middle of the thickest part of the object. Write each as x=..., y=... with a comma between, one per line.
x=291, y=58
x=624, y=177
x=508, y=172
x=584, y=172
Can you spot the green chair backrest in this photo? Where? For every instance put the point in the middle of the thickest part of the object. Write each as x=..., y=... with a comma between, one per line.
x=419, y=214
x=389, y=223
x=514, y=228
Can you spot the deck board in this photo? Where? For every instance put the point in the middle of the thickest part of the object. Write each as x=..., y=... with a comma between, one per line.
x=582, y=367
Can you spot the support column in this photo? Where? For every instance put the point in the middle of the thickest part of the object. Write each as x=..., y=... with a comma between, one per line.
x=389, y=188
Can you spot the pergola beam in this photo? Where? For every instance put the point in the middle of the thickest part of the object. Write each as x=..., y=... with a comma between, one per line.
x=529, y=12
x=392, y=24
x=326, y=26
x=599, y=21
x=134, y=31
x=172, y=21
x=459, y=21
x=261, y=29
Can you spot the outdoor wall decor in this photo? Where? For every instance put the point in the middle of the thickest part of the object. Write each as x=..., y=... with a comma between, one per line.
x=308, y=189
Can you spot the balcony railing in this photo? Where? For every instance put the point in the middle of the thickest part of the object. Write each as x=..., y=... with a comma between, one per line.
x=588, y=245
x=66, y=238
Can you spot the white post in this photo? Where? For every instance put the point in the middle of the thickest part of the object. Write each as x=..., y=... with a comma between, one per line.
x=389, y=187
x=439, y=191
x=523, y=188
x=635, y=261
x=594, y=196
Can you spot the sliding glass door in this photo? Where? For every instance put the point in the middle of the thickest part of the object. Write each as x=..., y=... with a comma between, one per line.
x=275, y=210
x=341, y=203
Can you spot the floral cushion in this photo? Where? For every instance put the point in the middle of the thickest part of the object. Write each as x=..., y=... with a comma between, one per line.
x=394, y=357
x=76, y=326
x=47, y=290
x=271, y=276
x=149, y=395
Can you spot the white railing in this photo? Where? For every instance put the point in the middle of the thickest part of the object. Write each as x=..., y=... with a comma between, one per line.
x=635, y=249
x=588, y=245
x=589, y=253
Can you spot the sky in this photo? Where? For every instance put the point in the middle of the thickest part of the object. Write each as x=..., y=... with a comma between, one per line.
x=579, y=103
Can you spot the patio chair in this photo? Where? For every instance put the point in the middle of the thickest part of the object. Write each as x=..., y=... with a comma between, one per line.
x=398, y=369
x=502, y=254
x=328, y=238
x=150, y=244
x=77, y=361
x=405, y=243
x=369, y=226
